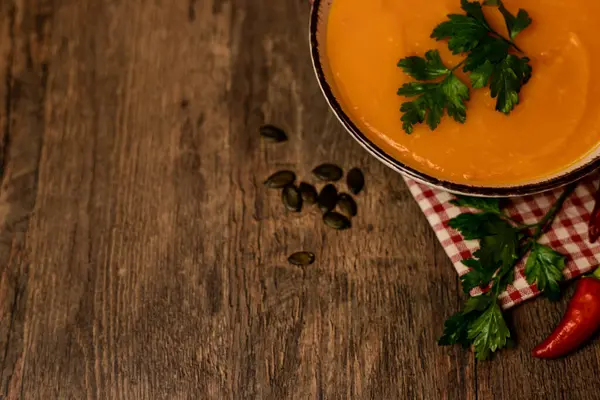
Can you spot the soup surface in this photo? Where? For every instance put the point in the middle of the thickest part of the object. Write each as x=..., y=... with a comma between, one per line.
x=555, y=126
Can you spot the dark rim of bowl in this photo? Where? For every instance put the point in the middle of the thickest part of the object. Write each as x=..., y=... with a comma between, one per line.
x=501, y=191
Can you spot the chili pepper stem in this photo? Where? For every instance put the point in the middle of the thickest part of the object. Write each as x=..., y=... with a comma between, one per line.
x=596, y=273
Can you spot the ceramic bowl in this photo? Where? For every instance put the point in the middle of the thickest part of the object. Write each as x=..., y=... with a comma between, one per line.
x=318, y=43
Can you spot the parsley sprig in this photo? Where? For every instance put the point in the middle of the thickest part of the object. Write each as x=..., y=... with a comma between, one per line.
x=491, y=60
x=502, y=243
x=432, y=98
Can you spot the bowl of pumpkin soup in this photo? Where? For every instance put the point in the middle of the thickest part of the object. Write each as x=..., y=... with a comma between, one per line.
x=487, y=137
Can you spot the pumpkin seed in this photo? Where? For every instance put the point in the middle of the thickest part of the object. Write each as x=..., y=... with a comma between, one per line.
x=272, y=133
x=280, y=179
x=336, y=220
x=327, y=198
x=355, y=180
x=347, y=205
x=291, y=198
x=328, y=172
x=302, y=258
x=308, y=192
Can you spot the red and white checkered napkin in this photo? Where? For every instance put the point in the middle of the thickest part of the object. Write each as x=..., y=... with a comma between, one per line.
x=568, y=234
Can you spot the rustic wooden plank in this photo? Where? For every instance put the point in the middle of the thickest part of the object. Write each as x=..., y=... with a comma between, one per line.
x=7, y=285
x=24, y=55
x=6, y=46
x=119, y=258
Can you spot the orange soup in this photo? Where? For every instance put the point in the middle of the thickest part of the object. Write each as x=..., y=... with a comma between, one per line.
x=555, y=126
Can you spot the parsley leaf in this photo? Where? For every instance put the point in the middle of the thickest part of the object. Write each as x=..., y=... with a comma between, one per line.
x=478, y=276
x=456, y=330
x=545, y=267
x=457, y=94
x=489, y=332
x=514, y=24
x=433, y=99
x=491, y=49
x=475, y=226
x=499, y=239
x=414, y=113
x=480, y=77
x=505, y=276
x=424, y=69
x=507, y=80
x=500, y=247
x=463, y=31
x=478, y=203
x=474, y=10
x=491, y=64
x=478, y=303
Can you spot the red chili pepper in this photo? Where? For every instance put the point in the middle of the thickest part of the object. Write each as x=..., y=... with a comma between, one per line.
x=579, y=323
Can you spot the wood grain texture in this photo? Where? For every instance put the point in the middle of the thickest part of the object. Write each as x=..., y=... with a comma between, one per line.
x=141, y=257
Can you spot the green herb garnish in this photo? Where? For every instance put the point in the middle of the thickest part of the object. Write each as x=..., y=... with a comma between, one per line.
x=491, y=60
x=432, y=98
x=545, y=267
x=502, y=243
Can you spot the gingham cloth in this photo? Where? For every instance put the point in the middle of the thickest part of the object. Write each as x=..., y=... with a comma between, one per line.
x=568, y=234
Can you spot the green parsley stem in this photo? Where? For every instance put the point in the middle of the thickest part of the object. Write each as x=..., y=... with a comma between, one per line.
x=525, y=226
x=514, y=45
x=457, y=66
x=507, y=41
x=543, y=225
x=548, y=219
x=517, y=223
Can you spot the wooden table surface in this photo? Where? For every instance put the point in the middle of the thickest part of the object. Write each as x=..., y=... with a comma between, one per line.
x=141, y=257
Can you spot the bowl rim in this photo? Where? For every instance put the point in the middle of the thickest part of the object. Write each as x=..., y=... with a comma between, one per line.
x=396, y=165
